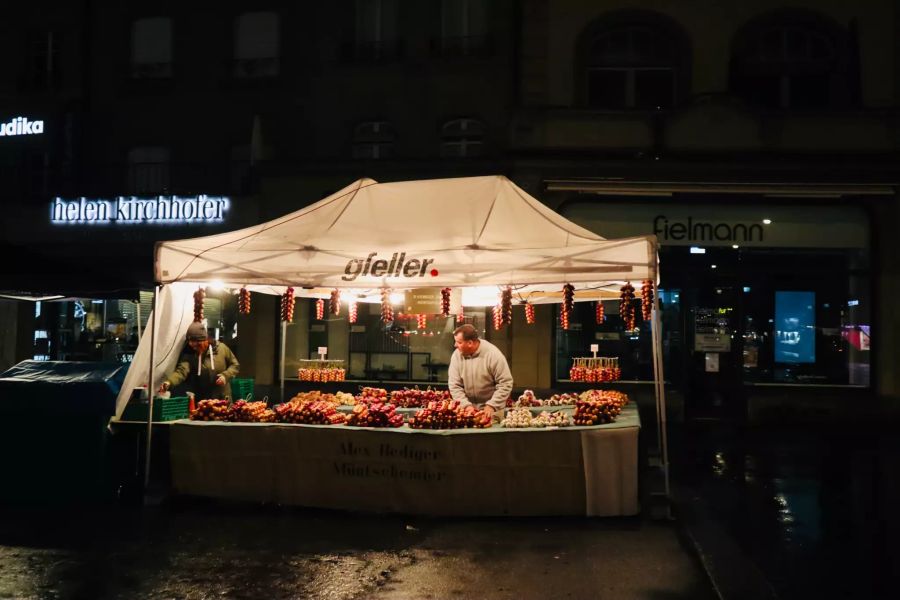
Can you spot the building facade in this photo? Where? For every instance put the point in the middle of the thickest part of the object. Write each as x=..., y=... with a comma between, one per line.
x=694, y=121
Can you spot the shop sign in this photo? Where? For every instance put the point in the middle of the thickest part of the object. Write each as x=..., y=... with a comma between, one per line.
x=397, y=266
x=131, y=210
x=700, y=231
x=21, y=126
x=712, y=342
x=709, y=225
x=427, y=301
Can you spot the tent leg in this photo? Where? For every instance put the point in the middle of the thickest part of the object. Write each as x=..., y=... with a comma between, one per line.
x=661, y=398
x=283, y=352
x=151, y=392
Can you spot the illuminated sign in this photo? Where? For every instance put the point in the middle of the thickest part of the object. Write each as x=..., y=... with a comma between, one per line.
x=131, y=210
x=705, y=231
x=21, y=126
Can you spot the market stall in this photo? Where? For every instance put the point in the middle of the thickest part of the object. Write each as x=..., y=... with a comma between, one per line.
x=496, y=471
x=366, y=241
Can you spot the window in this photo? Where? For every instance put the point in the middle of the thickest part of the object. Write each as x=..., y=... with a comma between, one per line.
x=375, y=31
x=786, y=65
x=151, y=48
x=256, y=39
x=463, y=28
x=370, y=349
x=42, y=71
x=148, y=170
x=373, y=139
x=631, y=67
x=462, y=137
x=241, y=170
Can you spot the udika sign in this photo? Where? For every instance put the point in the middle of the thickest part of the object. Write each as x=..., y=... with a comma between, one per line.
x=21, y=126
x=131, y=210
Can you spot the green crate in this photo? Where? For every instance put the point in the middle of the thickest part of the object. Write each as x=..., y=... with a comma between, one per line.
x=164, y=409
x=241, y=388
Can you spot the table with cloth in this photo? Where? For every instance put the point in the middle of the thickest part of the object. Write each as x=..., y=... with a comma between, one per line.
x=535, y=471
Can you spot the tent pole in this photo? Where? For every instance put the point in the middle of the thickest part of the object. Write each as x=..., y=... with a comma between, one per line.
x=151, y=391
x=661, y=392
x=283, y=343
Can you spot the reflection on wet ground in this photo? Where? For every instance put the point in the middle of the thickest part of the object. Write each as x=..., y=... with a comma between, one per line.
x=814, y=508
x=196, y=549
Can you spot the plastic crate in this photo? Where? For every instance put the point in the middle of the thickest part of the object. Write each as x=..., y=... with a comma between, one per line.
x=241, y=388
x=164, y=409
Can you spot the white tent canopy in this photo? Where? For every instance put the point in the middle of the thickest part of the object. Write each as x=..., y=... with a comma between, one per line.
x=460, y=233
x=470, y=231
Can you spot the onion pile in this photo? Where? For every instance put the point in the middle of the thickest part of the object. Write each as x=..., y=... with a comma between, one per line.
x=415, y=398
x=334, y=303
x=506, y=306
x=310, y=413
x=447, y=414
x=445, y=302
x=646, y=299
x=199, y=295
x=287, y=305
x=377, y=414
x=568, y=305
x=212, y=410
x=387, y=312
x=626, y=305
x=244, y=301
x=320, y=309
x=251, y=412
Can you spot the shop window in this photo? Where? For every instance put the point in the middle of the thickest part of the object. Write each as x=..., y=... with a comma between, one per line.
x=151, y=48
x=256, y=45
x=148, y=170
x=375, y=30
x=463, y=28
x=631, y=349
x=373, y=140
x=791, y=64
x=372, y=350
x=43, y=67
x=462, y=138
x=632, y=62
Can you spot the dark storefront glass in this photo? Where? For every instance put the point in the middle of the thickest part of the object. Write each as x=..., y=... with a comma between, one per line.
x=772, y=316
x=371, y=349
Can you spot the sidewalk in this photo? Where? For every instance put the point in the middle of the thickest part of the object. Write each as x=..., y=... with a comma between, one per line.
x=197, y=549
x=790, y=512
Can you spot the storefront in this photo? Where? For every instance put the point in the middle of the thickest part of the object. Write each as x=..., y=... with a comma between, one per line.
x=758, y=298
x=79, y=282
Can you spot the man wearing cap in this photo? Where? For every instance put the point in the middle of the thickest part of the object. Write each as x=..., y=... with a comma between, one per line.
x=207, y=366
x=478, y=373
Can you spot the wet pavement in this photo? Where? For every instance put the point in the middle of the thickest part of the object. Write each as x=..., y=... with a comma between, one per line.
x=805, y=511
x=197, y=549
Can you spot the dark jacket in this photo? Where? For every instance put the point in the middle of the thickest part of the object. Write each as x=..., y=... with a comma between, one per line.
x=204, y=386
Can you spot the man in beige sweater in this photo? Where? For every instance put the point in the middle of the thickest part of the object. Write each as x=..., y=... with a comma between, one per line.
x=478, y=373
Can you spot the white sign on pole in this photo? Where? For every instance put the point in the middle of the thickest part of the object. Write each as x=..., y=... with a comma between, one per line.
x=712, y=362
x=323, y=350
